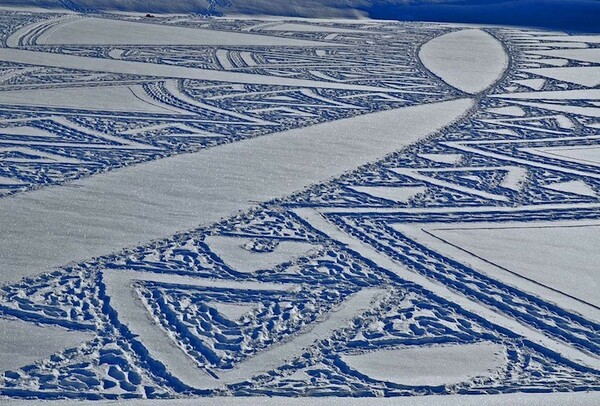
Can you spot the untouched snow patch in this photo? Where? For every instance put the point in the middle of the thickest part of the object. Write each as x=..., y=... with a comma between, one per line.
x=469, y=60
x=428, y=366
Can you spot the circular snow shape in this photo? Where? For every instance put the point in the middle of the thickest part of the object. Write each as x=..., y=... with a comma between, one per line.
x=429, y=366
x=469, y=60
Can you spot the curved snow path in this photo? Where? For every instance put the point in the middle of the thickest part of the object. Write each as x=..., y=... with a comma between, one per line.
x=469, y=60
x=81, y=30
x=96, y=216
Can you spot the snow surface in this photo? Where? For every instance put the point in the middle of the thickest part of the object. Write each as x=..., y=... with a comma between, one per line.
x=161, y=70
x=90, y=31
x=394, y=194
x=576, y=94
x=24, y=343
x=266, y=210
x=538, y=254
x=48, y=227
x=428, y=366
x=316, y=220
x=112, y=98
x=586, y=55
x=237, y=253
x=296, y=27
x=584, y=155
x=588, y=76
x=470, y=60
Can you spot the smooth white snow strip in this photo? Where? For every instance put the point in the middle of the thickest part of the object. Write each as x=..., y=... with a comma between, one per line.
x=316, y=220
x=552, y=61
x=591, y=39
x=116, y=53
x=94, y=31
x=589, y=155
x=430, y=365
x=586, y=55
x=121, y=280
x=578, y=94
x=248, y=58
x=49, y=59
x=522, y=399
x=231, y=311
x=9, y=181
x=547, y=45
x=40, y=156
x=469, y=60
x=27, y=130
x=50, y=227
x=223, y=58
x=514, y=111
x=577, y=187
x=584, y=111
x=23, y=343
x=103, y=98
x=535, y=84
x=443, y=158
x=580, y=75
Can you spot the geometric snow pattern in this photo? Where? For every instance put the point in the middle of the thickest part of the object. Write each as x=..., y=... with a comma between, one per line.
x=309, y=294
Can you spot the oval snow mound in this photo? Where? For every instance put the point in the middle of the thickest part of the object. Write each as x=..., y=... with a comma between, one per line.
x=469, y=60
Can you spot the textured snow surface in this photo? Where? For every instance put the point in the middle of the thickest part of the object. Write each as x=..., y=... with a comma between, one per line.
x=126, y=207
x=277, y=211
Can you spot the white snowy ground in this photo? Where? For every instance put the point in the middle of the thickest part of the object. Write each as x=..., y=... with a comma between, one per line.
x=233, y=207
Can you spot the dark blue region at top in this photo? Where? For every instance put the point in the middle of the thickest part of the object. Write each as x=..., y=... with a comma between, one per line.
x=569, y=15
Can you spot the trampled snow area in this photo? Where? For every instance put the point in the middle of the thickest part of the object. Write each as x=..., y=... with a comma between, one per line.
x=285, y=211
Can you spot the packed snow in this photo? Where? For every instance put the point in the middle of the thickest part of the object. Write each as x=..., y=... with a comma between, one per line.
x=291, y=211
